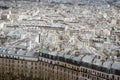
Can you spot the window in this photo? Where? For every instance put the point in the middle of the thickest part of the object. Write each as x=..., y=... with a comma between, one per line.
x=41, y=54
x=54, y=57
x=12, y=61
x=35, y=64
x=42, y=63
x=45, y=64
x=50, y=62
x=51, y=57
x=9, y=60
x=61, y=59
x=35, y=67
x=18, y=61
x=69, y=60
x=25, y=62
x=46, y=55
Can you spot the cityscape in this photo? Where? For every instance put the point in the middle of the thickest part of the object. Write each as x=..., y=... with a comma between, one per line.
x=59, y=40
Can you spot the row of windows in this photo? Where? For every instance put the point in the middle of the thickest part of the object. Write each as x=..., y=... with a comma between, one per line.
x=16, y=61
x=93, y=72
x=87, y=65
x=69, y=71
x=84, y=70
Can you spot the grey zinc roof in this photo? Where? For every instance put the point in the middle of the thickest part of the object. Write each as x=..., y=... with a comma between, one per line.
x=61, y=54
x=30, y=53
x=54, y=53
x=107, y=64
x=45, y=51
x=113, y=47
x=2, y=3
x=97, y=62
x=21, y=52
x=1, y=50
x=12, y=52
x=77, y=58
x=116, y=65
x=68, y=55
x=83, y=50
x=117, y=3
x=21, y=47
x=88, y=58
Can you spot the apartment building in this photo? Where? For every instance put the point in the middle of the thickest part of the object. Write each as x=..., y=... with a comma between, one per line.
x=57, y=66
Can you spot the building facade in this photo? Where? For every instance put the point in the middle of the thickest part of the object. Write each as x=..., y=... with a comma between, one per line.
x=49, y=67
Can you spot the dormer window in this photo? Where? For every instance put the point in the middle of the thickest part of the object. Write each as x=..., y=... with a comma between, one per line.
x=68, y=52
x=40, y=54
x=77, y=53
